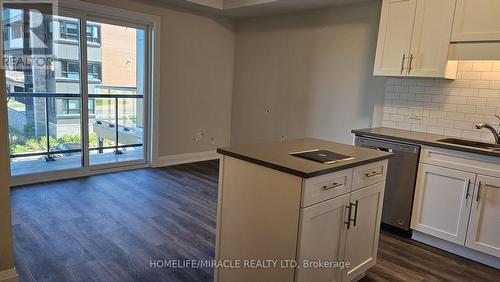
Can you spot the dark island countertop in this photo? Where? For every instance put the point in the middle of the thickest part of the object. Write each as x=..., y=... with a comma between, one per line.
x=276, y=155
x=420, y=139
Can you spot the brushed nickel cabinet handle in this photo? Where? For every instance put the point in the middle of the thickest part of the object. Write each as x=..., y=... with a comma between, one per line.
x=478, y=196
x=403, y=63
x=373, y=173
x=409, y=64
x=468, y=188
x=331, y=186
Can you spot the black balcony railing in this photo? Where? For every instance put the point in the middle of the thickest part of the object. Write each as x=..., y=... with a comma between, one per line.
x=50, y=152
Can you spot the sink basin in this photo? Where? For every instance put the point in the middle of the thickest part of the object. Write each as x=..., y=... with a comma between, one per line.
x=470, y=143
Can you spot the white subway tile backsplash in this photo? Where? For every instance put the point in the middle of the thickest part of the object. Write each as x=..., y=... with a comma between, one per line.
x=490, y=75
x=416, y=89
x=477, y=101
x=472, y=75
x=394, y=81
x=425, y=82
x=401, y=88
x=471, y=134
x=403, y=125
x=495, y=84
x=466, y=109
x=449, y=107
x=435, y=130
x=455, y=116
x=496, y=66
x=486, y=110
x=488, y=93
x=465, y=66
x=419, y=127
x=460, y=83
x=407, y=96
x=482, y=66
x=480, y=84
x=469, y=92
x=493, y=102
x=437, y=114
x=467, y=125
x=476, y=118
x=453, y=132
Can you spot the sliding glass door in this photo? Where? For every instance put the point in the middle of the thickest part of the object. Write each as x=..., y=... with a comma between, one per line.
x=116, y=67
x=43, y=92
x=60, y=119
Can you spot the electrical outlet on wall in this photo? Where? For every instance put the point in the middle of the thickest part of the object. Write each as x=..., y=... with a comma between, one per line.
x=415, y=113
x=199, y=136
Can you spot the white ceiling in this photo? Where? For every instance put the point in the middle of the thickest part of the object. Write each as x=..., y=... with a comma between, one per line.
x=252, y=8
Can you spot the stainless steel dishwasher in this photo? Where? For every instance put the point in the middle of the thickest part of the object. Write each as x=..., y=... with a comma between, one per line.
x=401, y=177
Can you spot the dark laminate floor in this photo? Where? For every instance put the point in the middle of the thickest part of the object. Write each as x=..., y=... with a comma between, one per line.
x=109, y=227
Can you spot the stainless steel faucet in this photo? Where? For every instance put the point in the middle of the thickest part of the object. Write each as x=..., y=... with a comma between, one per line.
x=495, y=132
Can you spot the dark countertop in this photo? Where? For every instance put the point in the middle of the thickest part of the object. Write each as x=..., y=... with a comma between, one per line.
x=275, y=155
x=420, y=139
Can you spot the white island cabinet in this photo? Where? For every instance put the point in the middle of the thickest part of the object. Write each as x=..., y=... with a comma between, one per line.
x=457, y=201
x=285, y=218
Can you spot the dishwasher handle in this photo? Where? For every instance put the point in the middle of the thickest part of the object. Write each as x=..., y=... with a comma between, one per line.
x=389, y=150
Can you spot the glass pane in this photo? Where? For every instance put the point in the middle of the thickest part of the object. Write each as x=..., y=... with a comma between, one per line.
x=43, y=87
x=116, y=86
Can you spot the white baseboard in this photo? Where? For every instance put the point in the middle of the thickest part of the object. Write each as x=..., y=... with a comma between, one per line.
x=456, y=249
x=186, y=158
x=9, y=275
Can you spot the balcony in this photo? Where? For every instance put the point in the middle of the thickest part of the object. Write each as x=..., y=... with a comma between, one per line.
x=46, y=132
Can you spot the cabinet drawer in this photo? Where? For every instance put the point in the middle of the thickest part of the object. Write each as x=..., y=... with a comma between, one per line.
x=369, y=174
x=326, y=186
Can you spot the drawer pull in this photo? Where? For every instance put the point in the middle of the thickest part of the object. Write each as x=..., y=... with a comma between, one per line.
x=331, y=186
x=373, y=173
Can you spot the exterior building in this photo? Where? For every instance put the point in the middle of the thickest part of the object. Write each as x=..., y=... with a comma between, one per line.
x=57, y=40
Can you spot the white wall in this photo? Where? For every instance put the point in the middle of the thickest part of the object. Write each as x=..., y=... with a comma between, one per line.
x=306, y=74
x=197, y=58
x=449, y=107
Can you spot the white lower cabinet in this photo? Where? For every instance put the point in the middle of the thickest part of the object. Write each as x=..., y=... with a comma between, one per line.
x=363, y=233
x=483, y=233
x=459, y=203
x=343, y=229
x=322, y=234
x=442, y=202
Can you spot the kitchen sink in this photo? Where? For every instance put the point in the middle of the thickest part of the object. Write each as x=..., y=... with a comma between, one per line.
x=470, y=143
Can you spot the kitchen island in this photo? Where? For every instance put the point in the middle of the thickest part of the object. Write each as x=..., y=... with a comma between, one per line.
x=285, y=218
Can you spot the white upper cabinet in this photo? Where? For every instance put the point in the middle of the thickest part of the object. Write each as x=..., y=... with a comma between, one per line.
x=394, y=36
x=476, y=20
x=431, y=39
x=483, y=233
x=414, y=39
x=443, y=198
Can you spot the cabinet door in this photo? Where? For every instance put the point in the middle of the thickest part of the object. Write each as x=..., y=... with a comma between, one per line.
x=431, y=39
x=443, y=198
x=394, y=37
x=483, y=233
x=322, y=237
x=476, y=20
x=362, y=236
